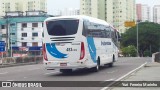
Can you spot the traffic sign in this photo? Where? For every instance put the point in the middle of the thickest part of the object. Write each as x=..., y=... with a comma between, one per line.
x=130, y=24
x=2, y=46
x=2, y=43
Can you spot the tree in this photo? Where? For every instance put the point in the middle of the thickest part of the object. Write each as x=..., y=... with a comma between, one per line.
x=149, y=37
x=129, y=51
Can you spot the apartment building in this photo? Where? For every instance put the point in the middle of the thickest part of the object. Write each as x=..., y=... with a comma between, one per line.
x=69, y=12
x=156, y=14
x=24, y=32
x=22, y=5
x=143, y=12
x=115, y=12
x=85, y=7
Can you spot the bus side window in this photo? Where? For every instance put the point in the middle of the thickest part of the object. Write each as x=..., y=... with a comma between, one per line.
x=116, y=35
x=103, y=33
x=108, y=32
x=84, y=32
x=95, y=30
x=113, y=35
x=119, y=36
x=92, y=30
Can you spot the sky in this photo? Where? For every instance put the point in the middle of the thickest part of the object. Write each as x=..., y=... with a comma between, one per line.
x=55, y=5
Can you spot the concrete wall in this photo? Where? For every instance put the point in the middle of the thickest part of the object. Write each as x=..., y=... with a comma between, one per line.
x=156, y=57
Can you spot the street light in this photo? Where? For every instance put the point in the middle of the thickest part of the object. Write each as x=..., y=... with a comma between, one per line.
x=137, y=38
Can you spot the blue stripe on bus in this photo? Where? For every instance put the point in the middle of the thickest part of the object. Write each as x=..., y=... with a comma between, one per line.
x=92, y=48
x=51, y=48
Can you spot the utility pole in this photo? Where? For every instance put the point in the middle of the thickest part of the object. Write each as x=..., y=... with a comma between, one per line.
x=150, y=49
x=7, y=35
x=8, y=38
x=137, y=39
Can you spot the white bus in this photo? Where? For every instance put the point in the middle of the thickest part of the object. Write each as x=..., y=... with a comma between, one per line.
x=72, y=42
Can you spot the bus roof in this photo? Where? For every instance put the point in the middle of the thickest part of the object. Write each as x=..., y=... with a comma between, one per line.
x=91, y=19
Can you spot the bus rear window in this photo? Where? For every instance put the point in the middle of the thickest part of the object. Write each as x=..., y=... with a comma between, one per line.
x=62, y=27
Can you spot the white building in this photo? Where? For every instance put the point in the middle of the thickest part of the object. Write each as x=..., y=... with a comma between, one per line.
x=22, y=5
x=29, y=34
x=156, y=14
x=143, y=12
x=115, y=12
x=69, y=12
x=85, y=7
x=146, y=13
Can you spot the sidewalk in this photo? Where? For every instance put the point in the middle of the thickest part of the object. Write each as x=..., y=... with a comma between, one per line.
x=150, y=72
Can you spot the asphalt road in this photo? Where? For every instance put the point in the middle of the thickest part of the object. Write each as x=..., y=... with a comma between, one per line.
x=38, y=73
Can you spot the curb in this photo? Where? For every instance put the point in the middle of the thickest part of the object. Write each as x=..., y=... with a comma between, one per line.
x=20, y=64
x=123, y=77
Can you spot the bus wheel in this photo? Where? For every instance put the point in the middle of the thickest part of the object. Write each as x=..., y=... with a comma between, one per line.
x=96, y=69
x=66, y=70
x=111, y=64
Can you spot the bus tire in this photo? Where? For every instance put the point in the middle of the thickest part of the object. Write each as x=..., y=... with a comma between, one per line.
x=113, y=60
x=110, y=64
x=97, y=67
x=66, y=70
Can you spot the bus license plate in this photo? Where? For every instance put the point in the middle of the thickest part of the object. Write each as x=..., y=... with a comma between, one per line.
x=63, y=64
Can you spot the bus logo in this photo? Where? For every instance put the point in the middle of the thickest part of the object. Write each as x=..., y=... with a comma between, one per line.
x=105, y=43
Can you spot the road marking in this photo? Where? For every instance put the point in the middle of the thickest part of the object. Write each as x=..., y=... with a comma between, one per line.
x=51, y=72
x=34, y=69
x=105, y=88
x=3, y=73
x=109, y=80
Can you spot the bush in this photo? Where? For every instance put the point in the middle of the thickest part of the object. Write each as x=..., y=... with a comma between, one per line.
x=129, y=51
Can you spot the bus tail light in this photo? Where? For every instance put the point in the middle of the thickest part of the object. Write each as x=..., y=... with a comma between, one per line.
x=44, y=52
x=82, y=53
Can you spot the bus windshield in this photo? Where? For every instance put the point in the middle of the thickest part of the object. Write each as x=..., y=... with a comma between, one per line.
x=62, y=27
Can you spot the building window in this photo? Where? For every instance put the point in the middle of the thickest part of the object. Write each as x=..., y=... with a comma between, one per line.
x=12, y=33
x=24, y=44
x=35, y=44
x=43, y=34
x=13, y=43
x=4, y=35
x=34, y=24
x=35, y=34
x=24, y=34
x=12, y=24
x=24, y=25
x=42, y=24
x=2, y=26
